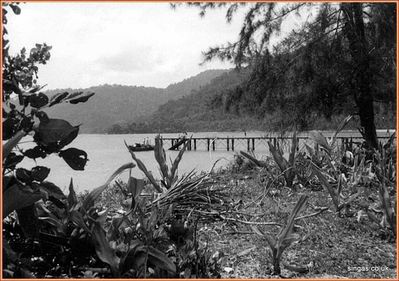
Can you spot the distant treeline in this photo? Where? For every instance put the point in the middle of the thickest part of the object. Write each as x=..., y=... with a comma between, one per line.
x=206, y=109
x=384, y=120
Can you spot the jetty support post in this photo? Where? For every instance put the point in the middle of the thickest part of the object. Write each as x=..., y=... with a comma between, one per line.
x=228, y=144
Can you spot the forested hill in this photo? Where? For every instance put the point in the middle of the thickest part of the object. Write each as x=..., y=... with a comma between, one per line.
x=183, y=88
x=118, y=104
x=214, y=108
x=198, y=111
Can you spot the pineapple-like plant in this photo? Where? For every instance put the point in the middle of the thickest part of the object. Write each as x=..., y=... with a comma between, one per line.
x=285, y=238
x=169, y=175
x=287, y=166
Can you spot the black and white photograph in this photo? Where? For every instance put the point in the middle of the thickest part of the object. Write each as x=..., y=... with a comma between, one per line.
x=205, y=140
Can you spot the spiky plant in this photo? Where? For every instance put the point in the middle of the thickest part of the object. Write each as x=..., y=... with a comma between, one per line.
x=287, y=166
x=285, y=238
x=186, y=193
x=169, y=175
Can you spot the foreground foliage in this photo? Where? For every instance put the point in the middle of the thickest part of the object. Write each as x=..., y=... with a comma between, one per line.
x=167, y=228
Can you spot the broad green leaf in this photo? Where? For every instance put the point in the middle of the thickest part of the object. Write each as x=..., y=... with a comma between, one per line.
x=15, y=9
x=35, y=152
x=77, y=218
x=52, y=190
x=18, y=196
x=10, y=127
x=134, y=258
x=43, y=117
x=73, y=134
x=38, y=100
x=12, y=160
x=53, y=222
x=82, y=98
x=74, y=95
x=135, y=186
x=27, y=218
x=39, y=173
x=57, y=98
x=8, y=252
x=53, y=131
x=103, y=250
x=75, y=158
x=23, y=175
x=160, y=260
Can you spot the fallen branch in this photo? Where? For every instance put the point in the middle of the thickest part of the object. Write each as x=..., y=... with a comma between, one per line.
x=240, y=232
x=254, y=222
x=313, y=214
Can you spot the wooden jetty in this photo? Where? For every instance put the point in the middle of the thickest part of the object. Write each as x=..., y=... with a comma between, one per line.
x=176, y=143
x=250, y=143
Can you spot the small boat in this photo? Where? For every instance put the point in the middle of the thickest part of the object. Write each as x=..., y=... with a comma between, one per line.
x=141, y=147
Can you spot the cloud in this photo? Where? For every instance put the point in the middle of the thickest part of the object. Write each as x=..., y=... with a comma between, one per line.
x=130, y=59
x=124, y=43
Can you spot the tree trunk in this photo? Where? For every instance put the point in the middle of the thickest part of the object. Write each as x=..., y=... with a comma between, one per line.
x=360, y=84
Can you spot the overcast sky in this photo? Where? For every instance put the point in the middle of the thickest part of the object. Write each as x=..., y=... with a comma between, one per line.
x=143, y=44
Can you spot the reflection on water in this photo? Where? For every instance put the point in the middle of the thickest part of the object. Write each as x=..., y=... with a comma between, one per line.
x=107, y=152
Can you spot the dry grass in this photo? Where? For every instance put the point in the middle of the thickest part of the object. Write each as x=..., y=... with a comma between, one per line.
x=333, y=246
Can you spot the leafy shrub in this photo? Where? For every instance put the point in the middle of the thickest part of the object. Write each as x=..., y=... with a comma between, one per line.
x=190, y=198
x=371, y=173
x=26, y=194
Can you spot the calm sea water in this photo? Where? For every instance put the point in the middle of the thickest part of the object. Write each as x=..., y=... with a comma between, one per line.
x=106, y=153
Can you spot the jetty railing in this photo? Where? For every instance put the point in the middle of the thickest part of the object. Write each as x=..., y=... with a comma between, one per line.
x=250, y=143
